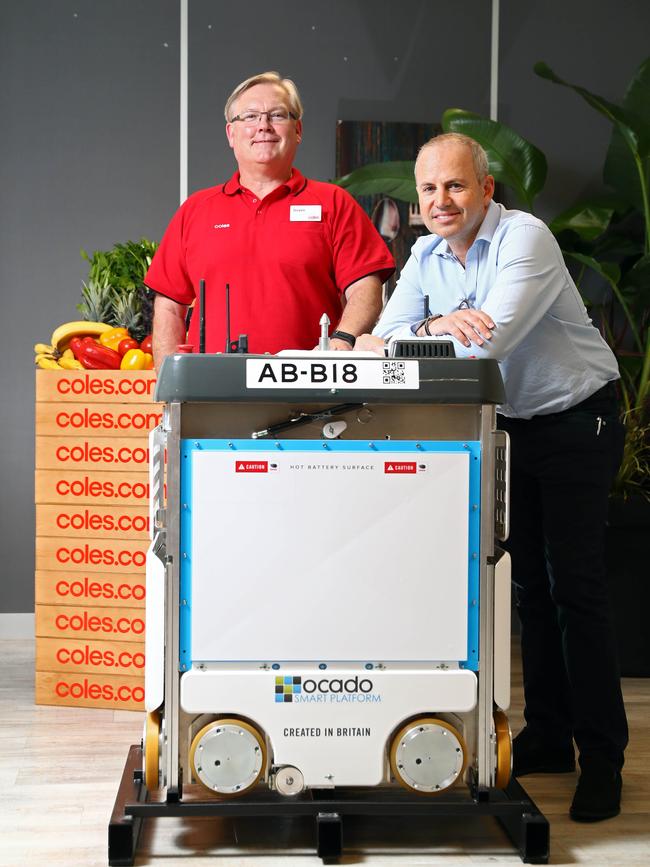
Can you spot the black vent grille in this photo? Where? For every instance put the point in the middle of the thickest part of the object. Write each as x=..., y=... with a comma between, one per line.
x=423, y=349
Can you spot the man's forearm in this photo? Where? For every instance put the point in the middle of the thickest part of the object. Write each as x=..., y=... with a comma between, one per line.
x=363, y=306
x=168, y=329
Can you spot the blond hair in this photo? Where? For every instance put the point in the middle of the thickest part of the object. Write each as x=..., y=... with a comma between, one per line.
x=479, y=156
x=295, y=104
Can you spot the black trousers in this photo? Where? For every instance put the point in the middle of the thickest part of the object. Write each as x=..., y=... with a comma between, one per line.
x=562, y=467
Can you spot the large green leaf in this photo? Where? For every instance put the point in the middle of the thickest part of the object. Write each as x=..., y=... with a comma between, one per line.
x=635, y=286
x=621, y=171
x=514, y=161
x=617, y=115
x=615, y=246
x=611, y=273
x=631, y=123
x=394, y=179
x=639, y=275
x=589, y=221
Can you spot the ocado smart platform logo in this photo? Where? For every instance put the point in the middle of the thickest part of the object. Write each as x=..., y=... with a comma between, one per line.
x=290, y=688
x=287, y=687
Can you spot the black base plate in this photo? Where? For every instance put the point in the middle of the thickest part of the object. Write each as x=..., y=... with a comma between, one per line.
x=526, y=826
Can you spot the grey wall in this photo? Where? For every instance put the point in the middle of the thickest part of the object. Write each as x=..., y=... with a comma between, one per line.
x=88, y=156
x=352, y=60
x=594, y=43
x=89, y=143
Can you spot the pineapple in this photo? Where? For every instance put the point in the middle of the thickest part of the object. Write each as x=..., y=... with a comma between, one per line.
x=127, y=313
x=97, y=301
x=146, y=305
x=115, y=292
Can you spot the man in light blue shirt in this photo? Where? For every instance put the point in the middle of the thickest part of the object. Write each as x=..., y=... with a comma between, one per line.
x=512, y=274
x=498, y=288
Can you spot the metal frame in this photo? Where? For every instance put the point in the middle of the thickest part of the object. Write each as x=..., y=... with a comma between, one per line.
x=520, y=818
x=171, y=751
x=486, y=595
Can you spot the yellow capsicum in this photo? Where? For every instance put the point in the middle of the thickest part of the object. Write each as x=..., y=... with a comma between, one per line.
x=112, y=337
x=133, y=359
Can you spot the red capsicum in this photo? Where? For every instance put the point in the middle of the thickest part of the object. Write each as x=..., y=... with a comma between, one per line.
x=94, y=356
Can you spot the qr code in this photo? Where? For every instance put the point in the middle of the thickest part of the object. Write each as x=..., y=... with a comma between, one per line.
x=394, y=373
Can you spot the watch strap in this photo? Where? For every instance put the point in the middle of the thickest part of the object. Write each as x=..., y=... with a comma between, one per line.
x=431, y=319
x=343, y=335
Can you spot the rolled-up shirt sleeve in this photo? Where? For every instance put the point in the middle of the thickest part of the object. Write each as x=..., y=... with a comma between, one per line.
x=530, y=276
x=406, y=305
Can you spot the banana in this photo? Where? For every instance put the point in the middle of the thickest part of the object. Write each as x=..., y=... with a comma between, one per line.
x=67, y=353
x=68, y=363
x=47, y=363
x=65, y=332
x=43, y=347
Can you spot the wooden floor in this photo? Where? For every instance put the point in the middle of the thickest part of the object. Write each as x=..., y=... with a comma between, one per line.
x=59, y=770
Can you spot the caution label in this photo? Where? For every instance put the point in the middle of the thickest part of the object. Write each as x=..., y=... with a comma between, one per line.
x=251, y=466
x=401, y=468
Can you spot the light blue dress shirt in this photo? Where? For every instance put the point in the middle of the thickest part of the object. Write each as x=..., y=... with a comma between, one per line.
x=550, y=354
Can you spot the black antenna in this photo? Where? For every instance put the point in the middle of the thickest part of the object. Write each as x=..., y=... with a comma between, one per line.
x=202, y=318
x=228, y=347
x=426, y=306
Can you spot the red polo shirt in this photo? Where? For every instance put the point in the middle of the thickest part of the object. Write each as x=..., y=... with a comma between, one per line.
x=288, y=258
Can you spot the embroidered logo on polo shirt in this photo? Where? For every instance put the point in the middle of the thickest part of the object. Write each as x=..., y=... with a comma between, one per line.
x=221, y=226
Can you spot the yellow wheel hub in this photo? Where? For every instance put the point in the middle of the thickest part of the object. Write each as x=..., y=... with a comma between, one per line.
x=152, y=750
x=503, y=749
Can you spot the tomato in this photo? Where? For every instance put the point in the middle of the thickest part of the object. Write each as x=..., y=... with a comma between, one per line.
x=128, y=343
x=146, y=345
x=133, y=359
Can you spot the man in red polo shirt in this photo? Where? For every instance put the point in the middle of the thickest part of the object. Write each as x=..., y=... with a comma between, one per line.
x=290, y=248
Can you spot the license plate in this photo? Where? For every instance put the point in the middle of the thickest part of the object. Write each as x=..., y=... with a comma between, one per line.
x=330, y=373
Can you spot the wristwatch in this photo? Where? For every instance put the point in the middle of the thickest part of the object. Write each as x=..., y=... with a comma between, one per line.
x=343, y=335
x=425, y=322
x=431, y=319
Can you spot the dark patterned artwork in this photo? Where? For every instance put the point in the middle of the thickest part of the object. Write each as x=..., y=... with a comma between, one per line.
x=359, y=143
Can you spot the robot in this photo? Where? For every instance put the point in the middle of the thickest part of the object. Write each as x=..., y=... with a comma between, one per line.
x=328, y=608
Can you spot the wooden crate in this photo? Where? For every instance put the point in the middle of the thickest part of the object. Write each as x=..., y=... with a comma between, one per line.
x=98, y=521
x=90, y=621
x=92, y=534
x=93, y=656
x=80, y=689
x=80, y=554
x=99, y=589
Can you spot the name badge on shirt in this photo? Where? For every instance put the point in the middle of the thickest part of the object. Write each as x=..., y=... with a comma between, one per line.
x=305, y=213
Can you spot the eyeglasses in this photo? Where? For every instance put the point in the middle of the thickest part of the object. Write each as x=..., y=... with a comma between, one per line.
x=277, y=116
